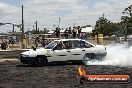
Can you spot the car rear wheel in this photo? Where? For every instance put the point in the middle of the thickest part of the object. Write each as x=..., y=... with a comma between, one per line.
x=87, y=57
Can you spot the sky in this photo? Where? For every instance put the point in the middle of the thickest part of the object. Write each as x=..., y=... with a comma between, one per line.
x=47, y=12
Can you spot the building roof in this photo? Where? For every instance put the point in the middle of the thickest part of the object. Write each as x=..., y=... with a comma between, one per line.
x=87, y=29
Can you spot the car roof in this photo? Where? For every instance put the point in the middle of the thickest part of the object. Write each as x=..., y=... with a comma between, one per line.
x=73, y=40
x=68, y=40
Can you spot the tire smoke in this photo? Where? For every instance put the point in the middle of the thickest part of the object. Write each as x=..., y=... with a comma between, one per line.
x=117, y=55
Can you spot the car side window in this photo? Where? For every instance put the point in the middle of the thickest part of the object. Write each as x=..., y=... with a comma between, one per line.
x=67, y=45
x=76, y=44
x=58, y=47
x=85, y=45
x=63, y=45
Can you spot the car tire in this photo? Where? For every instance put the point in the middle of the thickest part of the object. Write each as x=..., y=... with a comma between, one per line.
x=44, y=61
x=80, y=62
x=88, y=57
x=41, y=61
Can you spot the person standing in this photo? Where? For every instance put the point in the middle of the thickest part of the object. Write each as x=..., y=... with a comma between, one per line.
x=3, y=45
x=66, y=33
x=83, y=36
x=70, y=32
x=74, y=32
x=37, y=41
x=79, y=31
x=57, y=32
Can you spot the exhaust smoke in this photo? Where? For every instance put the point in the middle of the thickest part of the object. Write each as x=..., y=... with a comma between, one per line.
x=117, y=55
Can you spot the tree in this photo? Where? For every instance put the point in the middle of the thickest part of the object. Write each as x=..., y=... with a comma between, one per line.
x=127, y=21
x=128, y=11
x=2, y=24
x=104, y=26
x=45, y=31
x=86, y=26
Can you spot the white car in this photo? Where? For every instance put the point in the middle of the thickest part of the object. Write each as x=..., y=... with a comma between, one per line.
x=62, y=50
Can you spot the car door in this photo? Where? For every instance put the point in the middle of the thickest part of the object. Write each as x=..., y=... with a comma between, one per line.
x=61, y=52
x=77, y=52
x=89, y=48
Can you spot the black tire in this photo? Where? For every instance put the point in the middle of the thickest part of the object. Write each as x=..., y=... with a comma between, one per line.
x=77, y=62
x=41, y=61
x=44, y=60
x=88, y=57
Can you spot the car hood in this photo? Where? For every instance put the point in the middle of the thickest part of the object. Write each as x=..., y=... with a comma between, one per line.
x=100, y=47
x=40, y=51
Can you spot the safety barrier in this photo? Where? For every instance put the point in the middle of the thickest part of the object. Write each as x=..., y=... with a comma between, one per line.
x=14, y=46
x=11, y=53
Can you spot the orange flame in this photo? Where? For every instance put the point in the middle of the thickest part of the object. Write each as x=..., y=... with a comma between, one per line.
x=81, y=71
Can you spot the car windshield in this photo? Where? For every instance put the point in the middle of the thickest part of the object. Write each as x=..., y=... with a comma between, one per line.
x=51, y=45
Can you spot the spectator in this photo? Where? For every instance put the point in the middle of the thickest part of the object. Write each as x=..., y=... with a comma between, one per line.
x=3, y=45
x=66, y=33
x=79, y=31
x=70, y=32
x=74, y=32
x=37, y=41
x=11, y=41
x=57, y=32
x=83, y=36
x=43, y=41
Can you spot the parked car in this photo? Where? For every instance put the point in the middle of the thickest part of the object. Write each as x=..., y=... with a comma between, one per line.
x=62, y=50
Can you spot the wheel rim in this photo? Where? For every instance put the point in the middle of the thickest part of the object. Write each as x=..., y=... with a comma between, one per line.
x=42, y=61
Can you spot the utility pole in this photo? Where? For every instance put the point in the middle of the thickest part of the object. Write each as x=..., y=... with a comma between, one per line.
x=36, y=25
x=13, y=28
x=59, y=23
x=74, y=24
x=103, y=15
x=38, y=30
x=23, y=46
x=33, y=27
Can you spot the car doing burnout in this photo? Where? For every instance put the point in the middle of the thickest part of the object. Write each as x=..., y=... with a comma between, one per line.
x=63, y=50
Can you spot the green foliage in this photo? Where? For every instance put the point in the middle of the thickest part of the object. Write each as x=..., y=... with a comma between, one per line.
x=104, y=26
x=2, y=24
x=127, y=20
x=109, y=28
x=86, y=26
x=45, y=31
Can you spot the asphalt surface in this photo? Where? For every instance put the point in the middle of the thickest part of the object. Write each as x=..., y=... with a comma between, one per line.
x=15, y=75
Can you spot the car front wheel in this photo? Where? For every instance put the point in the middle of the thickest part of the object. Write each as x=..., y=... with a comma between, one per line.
x=40, y=61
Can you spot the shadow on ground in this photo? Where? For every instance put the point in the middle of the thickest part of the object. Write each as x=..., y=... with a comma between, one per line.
x=50, y=64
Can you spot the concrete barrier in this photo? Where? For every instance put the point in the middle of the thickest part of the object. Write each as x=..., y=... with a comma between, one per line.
x=14, y=46
x=11, y=53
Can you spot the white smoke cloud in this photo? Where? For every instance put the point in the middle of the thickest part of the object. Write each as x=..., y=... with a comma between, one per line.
x=117, y=55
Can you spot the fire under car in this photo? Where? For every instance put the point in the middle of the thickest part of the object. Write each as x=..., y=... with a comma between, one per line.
x=63, y=50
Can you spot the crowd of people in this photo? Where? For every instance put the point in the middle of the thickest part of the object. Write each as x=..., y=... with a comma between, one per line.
x=68, y=33
x=4, y=43
x=71, y=33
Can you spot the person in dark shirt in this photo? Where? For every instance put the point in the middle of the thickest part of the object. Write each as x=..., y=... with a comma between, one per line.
x=79, y=31
x=70, y=32
x=66, y=33
x=11, y=41
x=74, y=32
x=37, y=40
x=57, y=32
x=3, y=45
